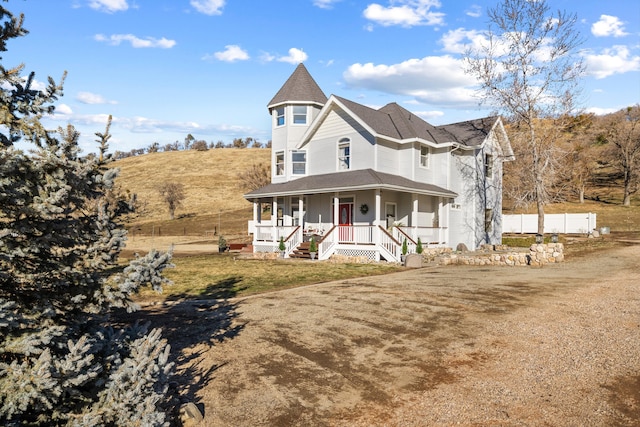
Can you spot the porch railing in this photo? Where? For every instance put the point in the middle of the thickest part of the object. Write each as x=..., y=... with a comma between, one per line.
x=327, y=243
x=427, y=235
x=359, y=234
x=390, y=243
x=269, y=233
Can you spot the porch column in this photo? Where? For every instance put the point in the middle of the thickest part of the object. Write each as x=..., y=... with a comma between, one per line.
x=441, y=220
x=445, y=222
x=376, y=222
x=274, y=218
x=336, y=209
x=414, y=216
x=301, y=212
x=256, y=213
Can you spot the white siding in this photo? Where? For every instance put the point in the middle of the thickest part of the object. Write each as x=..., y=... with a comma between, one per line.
x=323, y=148
x=388, y=155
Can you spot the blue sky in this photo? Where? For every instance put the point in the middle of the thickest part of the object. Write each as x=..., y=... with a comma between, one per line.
x=168, y=68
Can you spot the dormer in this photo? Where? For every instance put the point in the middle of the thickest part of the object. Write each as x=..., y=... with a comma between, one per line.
x=292, y=111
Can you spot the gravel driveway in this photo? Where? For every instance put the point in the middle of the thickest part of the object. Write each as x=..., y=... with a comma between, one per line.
x=471, y=346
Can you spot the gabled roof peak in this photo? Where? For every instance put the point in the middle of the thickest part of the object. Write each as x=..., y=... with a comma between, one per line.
x=299, y=87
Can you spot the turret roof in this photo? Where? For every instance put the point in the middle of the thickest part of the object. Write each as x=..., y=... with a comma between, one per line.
x=300, y=87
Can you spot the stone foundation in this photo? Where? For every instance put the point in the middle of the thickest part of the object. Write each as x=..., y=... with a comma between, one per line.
x=537, y=255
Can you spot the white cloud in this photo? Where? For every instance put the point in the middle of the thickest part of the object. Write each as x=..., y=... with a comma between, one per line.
x=406, y=13
x=608, y=26
x=459, y=40
x=429, y=115
x=616, y=60
x=601, y=111
x=208, y=7
x=92, y=98
x=136, y=42
x=474, y=11
x=109, y=6
x=63, y=109
x=295, y=56
x=325, y=4
x=432, y=80
x=232, y=53
x=267, y=57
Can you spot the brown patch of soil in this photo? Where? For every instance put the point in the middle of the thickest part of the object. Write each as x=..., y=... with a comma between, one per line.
x=477, y=346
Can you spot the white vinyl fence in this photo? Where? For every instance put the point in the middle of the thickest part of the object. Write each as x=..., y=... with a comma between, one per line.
x=580, y=223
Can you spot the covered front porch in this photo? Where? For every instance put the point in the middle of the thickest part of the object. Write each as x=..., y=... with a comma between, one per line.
x=369, y=241
x=357, y=213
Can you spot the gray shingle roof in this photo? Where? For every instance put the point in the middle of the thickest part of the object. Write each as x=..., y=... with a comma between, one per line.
x=300, y=86
x=396, y=122
x=366, y=179
x=471, y=132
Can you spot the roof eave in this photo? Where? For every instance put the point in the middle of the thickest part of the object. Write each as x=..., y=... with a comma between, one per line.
x=301, y=192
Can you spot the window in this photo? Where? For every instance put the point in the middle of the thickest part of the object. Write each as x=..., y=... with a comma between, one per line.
x=280, y=163
x=299, y=162
x=488, y=165
x=299, y=114
x=344, y=154
x=280, y=116
x=424, y=156
x=488, y=220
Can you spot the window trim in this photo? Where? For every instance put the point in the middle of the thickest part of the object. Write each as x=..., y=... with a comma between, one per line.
x=294, y=162
x=280, y=117
x=488, y=165
x=280, y=171
x=344, y=159
x=428, y=157
x=294, y=115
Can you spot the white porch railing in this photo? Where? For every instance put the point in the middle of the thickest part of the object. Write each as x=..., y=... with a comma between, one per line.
x=359, y=234
x=350, y=237
x=390, y=244
x=427, y=235
x=269, y=233
x=327, y=244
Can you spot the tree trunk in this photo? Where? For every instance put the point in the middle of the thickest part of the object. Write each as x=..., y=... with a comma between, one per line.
x=540, y=207
x=626, y=199
x=582, y=194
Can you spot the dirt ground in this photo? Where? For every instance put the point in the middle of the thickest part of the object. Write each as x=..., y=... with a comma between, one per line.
x=473, y=346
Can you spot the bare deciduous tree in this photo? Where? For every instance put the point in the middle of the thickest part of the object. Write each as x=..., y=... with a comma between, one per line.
x=582, y=155
x=528, y=69
x=255, y=177
x=621, y=132
x=172, y=194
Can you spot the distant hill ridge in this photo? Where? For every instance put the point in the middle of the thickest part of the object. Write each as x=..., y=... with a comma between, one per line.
x=210, y=179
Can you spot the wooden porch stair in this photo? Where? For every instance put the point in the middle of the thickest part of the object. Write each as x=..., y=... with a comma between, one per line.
x=301, y=252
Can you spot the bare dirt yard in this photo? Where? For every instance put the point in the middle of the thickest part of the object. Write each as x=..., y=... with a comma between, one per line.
x=438, y=346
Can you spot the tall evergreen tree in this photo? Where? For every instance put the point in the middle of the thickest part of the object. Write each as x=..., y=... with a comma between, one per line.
x=62, y=361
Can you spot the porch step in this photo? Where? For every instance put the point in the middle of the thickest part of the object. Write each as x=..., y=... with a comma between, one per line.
x=301, y=252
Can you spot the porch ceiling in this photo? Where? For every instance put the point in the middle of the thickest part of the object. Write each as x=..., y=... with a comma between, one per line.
x=356, y=180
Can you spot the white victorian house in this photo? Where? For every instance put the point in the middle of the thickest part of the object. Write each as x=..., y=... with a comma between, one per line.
x=362, y=181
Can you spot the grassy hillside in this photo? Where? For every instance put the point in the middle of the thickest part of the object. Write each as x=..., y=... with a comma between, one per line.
x=213, y=194
x=214, y=198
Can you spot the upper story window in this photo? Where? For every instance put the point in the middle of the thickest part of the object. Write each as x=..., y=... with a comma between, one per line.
x=299, y=162
x=280, y=116
x=280, y=163
x=344, y=154
x=488, y=165
x=425, y=154
x=299, y=114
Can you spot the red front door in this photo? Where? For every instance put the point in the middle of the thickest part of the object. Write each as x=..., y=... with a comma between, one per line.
x=345, y=221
